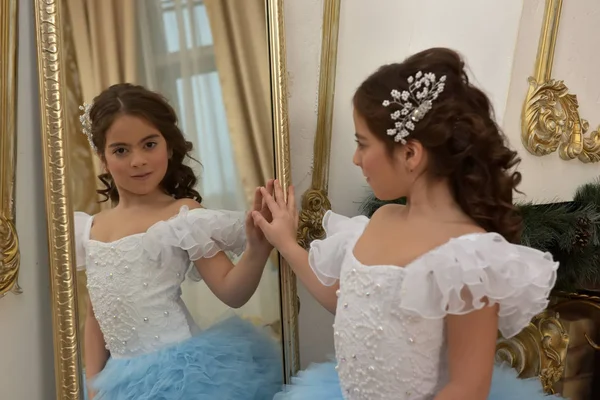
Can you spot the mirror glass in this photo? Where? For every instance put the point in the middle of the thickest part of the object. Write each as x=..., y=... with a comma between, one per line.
x=210, y=60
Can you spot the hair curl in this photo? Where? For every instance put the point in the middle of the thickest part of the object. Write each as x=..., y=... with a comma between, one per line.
x=459, y=133
x=127, y=99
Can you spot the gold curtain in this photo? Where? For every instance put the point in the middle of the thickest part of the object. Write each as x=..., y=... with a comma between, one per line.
x=104, y=34
x=242, y=58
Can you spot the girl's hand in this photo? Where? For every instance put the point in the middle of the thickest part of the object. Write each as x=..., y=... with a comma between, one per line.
x=255, y=236
x=281, y=231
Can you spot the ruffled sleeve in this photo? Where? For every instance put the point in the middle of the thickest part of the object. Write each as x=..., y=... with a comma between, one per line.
x=82, y=223
x=326, y=256
x=201, y=232
x=473, y=271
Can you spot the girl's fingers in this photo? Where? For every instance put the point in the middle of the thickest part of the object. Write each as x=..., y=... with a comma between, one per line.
x=270, y=201
x=279, y=197
x=291, y=200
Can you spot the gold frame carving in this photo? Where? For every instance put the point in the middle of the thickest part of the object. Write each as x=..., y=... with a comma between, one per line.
x=9, y=240
x=59, y=210
x=550, y=119
x=279, y=90
x=315, y=201
x=539, y=350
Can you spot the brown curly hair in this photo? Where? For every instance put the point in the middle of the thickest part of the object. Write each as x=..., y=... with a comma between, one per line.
x=128, y=99
x=464, y=142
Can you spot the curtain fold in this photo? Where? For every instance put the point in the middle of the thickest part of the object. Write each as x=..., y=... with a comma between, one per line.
x=242, y=58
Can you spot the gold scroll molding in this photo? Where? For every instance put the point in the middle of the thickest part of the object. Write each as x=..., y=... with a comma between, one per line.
x=538, y=350
x=550, y=119
x=9, y=241
x=279, y=90
x=53, y=100
x=314, y=201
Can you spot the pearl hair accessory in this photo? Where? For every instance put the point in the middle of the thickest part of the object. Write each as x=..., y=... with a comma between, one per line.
x=86, y=124
x=416, y=102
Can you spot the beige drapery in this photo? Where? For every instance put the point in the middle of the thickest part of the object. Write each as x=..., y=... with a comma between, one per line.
x=242, y=59
x=104, y=33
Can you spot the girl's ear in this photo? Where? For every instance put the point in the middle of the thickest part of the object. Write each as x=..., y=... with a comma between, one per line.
x=414, y=154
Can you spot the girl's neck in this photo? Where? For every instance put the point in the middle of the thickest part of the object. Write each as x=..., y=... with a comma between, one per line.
x=433, y=199
x=130, y=200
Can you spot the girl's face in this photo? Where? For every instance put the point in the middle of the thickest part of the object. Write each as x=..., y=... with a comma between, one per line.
x=390, y=177
x=136, y=155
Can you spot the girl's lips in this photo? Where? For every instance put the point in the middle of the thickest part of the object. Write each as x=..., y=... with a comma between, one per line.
x=142, y=176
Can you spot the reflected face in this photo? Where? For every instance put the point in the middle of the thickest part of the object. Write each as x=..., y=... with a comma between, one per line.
x=136, y=155
x=384, y=173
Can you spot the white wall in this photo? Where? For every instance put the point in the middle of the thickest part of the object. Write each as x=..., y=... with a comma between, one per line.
x=550, y=178
x=26, y=353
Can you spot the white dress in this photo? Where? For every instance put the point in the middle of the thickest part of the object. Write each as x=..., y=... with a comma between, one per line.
x=389, y=325
x=155, y=347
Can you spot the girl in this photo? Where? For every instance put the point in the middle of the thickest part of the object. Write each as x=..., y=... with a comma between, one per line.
x=420, y=291
x=140, y=342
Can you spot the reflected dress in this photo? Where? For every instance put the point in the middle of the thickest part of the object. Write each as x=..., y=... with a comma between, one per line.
x=156, y=350
x=389, y=329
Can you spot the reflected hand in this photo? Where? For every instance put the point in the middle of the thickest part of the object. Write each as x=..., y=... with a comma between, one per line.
x=281, y=230
x=256, y=237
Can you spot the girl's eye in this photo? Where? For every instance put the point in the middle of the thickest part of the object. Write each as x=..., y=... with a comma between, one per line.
x=151, y=145
x=119, y=151
x=359, y=144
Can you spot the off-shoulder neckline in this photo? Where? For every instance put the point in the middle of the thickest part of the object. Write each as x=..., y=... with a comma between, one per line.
x=184, y=209
x=434, y=250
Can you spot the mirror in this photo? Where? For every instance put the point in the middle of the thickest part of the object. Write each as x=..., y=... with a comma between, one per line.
x=221, y=67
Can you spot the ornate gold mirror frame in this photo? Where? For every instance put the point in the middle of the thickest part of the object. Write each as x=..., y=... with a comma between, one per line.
x=9, y=241
x=550, y=118
x=315, y=201
x=58, y=205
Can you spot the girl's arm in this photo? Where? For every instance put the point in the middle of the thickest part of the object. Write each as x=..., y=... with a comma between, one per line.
x=96, y=354
x=471, y=349
x=297, y=257
x=234, y=284
x=281, y=232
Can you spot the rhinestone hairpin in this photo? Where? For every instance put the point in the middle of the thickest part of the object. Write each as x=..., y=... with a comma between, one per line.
x=416, y=103
x=86, y=123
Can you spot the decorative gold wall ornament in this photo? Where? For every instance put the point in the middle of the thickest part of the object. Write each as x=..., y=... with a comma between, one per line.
x=550, y=119
x=58, y=204
x=9, y=241
x=538, y=350
x=314, y=201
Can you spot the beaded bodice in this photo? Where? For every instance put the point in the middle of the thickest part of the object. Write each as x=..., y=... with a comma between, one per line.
x=389, y=324
x=134, y=283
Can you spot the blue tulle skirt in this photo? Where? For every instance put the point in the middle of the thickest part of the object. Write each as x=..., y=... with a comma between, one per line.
x=232, y=360
x=321, y=382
